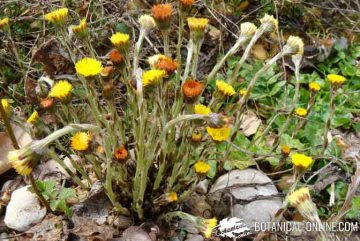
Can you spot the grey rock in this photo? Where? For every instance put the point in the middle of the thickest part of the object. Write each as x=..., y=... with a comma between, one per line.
x=202, y=187
x=135, y=233
x=23, y=210
x=254, y=196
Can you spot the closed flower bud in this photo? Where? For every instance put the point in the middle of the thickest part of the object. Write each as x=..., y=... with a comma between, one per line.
x=147, y=22
x=108, y=90
x=296, y=44
x=23, y=160
x=162, y=15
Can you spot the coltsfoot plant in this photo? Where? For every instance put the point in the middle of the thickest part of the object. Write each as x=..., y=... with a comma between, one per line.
x=143, y=126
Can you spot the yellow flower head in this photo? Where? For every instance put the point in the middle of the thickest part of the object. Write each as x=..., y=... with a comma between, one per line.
x=270, y=23
x=197, y=24
x=336, y=79
x=301, y=161
x=58, y=16
x=202, y=109
x=34, y=117
x=202, y=167
x=6, y=105
x=81, y=141
x=4, y=22
x=285, y=150
x=243, y=92
x=153, y=76
x=299, y=196
x=61, y=91
x=23, y=160
x=247, y=29
x=301, y=112
x=313, y=86
x=88, y=67
x=196, y=136
x=206, y=226
x=296, y=44
x=219, y=134
x=147, y=22
x=224, y=88
x=171, y=197
x=120, y=40
x=80, y=29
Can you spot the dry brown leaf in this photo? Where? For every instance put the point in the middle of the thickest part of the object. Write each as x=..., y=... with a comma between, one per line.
x=259, y=52
x=89, y=230
x=53, y=58
x=250, y=124
x=23, y=139
x=51, y=228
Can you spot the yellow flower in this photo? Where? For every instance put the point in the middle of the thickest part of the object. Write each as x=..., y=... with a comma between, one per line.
x=81, y=141
x=301, y=112
x=285, y=150
x=4, y=22
x=336, y=79
x=313, y=86
x=208, y=226
x=120, y=40
x=88, y=67
x=301, y=161
x=171, y=196
x=34, y=117
x=224, y=88
x=6, y=105
x=202, y=109
x=219, y=134
x=23, y=160
x=61, y=91
x=58, y=16
x=147, y=22
x=243, y=92
x=202, y=167
x=271, y=24
x=197, y=24
x=296, y=44
x=152, y=76
x=80, y=29
x=196, y=136
x=247, y=29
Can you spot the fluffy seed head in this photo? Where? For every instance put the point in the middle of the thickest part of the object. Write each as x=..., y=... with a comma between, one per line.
x=296, y=44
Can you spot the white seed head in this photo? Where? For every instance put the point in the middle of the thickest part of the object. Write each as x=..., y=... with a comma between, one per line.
x=247, y=29
x=271, y=22
x=296, y=44
x=147, y=22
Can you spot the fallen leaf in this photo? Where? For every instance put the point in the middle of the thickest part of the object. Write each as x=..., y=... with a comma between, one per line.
x=51, y=228
x=250, y=124
x=53, y=58
x=22, y=137
x=89, y=230
x=259, y=52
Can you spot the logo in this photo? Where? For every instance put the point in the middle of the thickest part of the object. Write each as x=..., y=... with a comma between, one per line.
x=232, y=228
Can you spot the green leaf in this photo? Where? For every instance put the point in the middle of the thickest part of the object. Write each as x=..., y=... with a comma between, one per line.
x=277, y=87
x=292, y=143
x=213, y=167
x=47, y=188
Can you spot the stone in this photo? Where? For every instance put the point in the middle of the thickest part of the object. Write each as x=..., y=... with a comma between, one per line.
x=202, y=187
x=255, y=197
x=23, y=210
